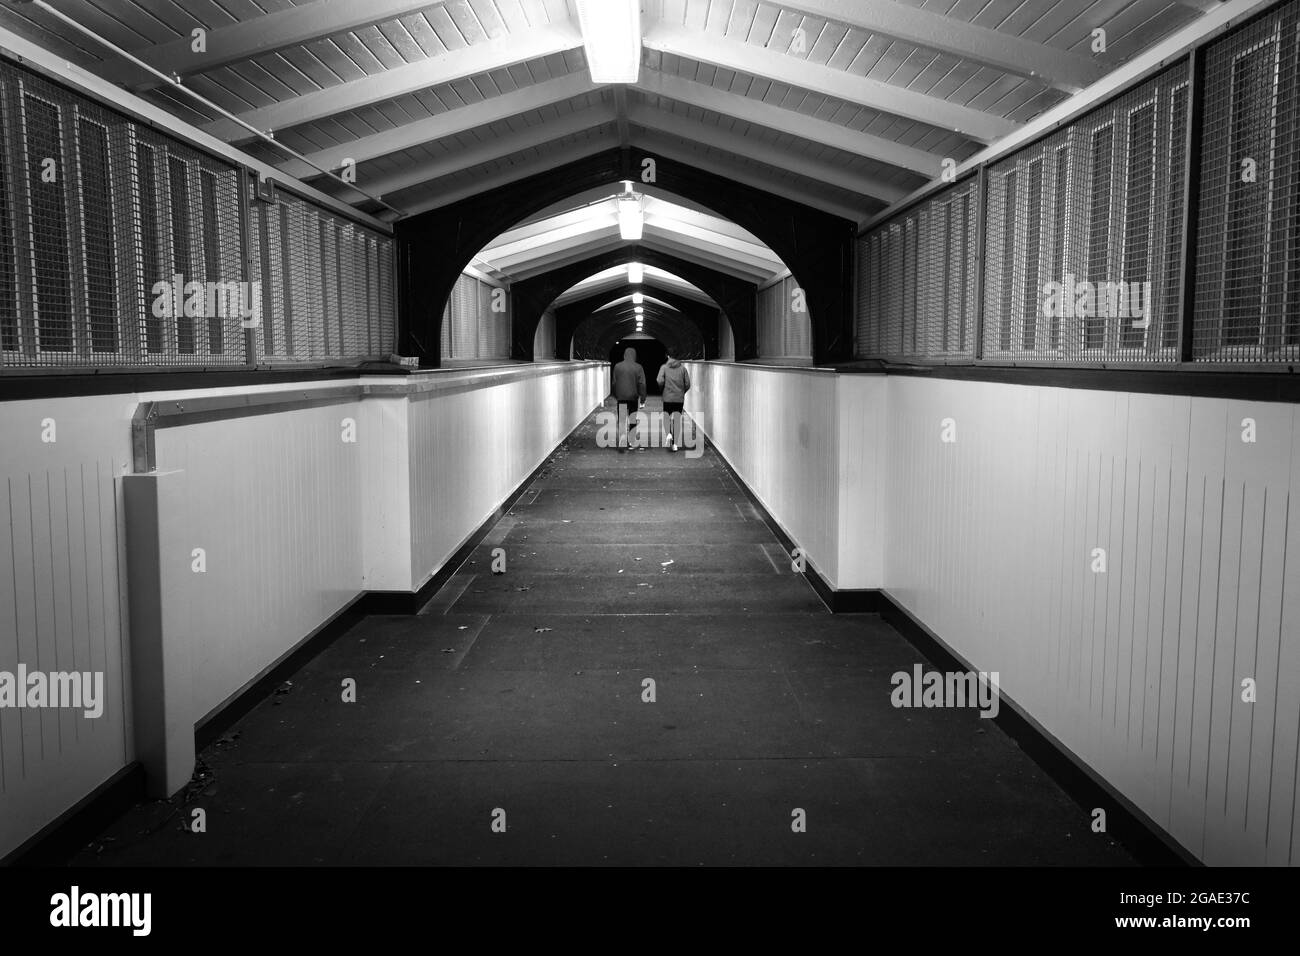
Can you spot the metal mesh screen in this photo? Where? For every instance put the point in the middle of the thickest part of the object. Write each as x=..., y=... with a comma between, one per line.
x=917, y=281
x=326, y=284
x=1084, y=230
x=1248, y=253
x=470, y=327
x=783, y=332
x=122, y=246
x=115, y=244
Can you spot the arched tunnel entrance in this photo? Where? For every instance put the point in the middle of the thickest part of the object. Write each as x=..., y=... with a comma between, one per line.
x=434, y=247
x=650, y=355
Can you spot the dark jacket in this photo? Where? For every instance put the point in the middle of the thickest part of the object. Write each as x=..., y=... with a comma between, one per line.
x=676, y=381
x=629, y=378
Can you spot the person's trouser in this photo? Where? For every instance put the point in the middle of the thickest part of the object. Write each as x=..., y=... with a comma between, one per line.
x=673, y=418
x=627, y=409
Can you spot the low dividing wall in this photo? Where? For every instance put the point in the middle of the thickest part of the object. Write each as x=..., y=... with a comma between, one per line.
x=989, y=540
x=292, y=520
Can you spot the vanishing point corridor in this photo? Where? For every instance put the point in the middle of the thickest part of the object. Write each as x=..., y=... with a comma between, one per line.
x=523, y=692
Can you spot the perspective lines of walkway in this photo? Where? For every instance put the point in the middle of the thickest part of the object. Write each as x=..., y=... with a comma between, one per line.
x=520, y=699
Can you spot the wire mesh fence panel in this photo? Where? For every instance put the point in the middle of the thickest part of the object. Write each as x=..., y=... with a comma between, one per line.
x=916, y=281
x=120, y=245
x=1084, y=230
x=325, y=284
x=1247, y=305
x=117, y=245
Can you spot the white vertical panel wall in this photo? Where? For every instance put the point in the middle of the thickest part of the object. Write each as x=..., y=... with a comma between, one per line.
x=275, y=507
x=62, y=599
x=1137, y=669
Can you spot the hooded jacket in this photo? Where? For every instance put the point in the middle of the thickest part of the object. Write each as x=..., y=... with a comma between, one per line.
x=675, y=379
x=628, y=378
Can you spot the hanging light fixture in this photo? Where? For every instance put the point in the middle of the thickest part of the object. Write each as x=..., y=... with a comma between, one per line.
x=638, y=298
x=611, y=38
x=631, y=221
x=635, y=273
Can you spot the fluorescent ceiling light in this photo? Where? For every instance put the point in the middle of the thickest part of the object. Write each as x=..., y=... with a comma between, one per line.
x=635, y=273
x=631, y=221
x=611, y=37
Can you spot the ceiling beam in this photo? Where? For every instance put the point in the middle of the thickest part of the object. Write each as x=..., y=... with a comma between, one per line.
x=399, y=81
x=522, y=257
x=616, y=278
x=508, y=256
x=934, y=31
x=589, y=196
x=492, y=150
x=750, y=177
x=460, y=120
x=548, y=161
x=292, y=26
x=790, y=122
x=667, y=210
x=827, y=81
x=532, y=229
x=649, y=241
x=706, y=135
x=738, y=249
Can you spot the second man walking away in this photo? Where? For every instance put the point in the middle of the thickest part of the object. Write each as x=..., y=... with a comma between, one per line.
x=676, y=382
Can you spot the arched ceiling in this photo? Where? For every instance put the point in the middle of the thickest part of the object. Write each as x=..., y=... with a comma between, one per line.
x=616, y=278
x=845, y=105
x=543, y=243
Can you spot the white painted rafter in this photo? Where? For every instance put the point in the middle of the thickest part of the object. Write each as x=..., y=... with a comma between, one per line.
x=934, y=31
x=254, y=37
x=491, y=150
x=706, y=135
x=450, y=123
x=399, y=81
x=787, y=121
x=803, y=74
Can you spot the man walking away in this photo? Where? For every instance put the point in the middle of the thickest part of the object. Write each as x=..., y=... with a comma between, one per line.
x=676, y=382
x=628, y=386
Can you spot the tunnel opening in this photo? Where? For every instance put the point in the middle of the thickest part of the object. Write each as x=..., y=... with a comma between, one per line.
x=651, y=354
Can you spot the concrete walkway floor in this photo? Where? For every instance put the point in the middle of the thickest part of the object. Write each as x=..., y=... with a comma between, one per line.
x=522, y=693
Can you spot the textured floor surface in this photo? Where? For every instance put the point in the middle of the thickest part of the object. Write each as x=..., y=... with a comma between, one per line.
x=518, y=698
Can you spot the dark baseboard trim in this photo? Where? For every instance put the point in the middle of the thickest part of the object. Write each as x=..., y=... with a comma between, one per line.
x=58, y=841
x=1264, y=384
x=1145, y=839
x=858, y=601
x=226, y=714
